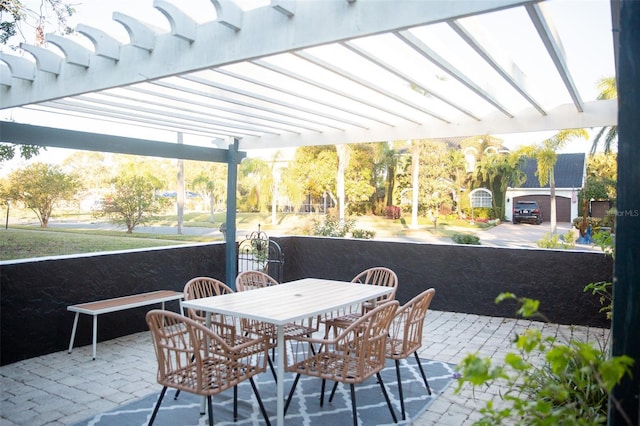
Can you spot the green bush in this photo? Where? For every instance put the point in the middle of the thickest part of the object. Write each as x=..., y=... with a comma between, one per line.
x=609, y=219
x=331, y=226
x=466, y=239
x=363, y=233
x=595, y=222
x=547, y=381
x=555, y=241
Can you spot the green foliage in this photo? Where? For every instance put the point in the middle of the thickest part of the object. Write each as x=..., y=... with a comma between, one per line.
x=546, y=381
x=7, y=152
x=595, y=222
x=555, y=241
x=466, y=239
x=40, y=187
x=133, y=200
x=331, y=226
x=603, y=289
x=363, y=233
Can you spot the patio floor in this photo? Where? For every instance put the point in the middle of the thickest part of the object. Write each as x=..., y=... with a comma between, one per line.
x=62, y=388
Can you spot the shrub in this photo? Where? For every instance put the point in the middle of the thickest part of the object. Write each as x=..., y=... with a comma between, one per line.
x=393, y=212
x=547, y=381
x=555, y=241
x=331, y=226
x=609, y=219
x=363, y=233
x=466, y=239
x=595, y=222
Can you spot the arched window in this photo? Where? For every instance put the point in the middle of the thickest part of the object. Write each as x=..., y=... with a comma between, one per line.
x=480, y=197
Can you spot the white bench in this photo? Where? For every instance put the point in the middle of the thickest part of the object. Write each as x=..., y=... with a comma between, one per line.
x=118, y=304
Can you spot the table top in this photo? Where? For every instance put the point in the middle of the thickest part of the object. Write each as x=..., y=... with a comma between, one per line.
x=291, y=301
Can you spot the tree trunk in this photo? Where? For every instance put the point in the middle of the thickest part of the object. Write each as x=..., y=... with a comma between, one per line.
x=552, y=211
x=415, y=171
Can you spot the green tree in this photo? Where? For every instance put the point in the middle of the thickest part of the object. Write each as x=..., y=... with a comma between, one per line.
x=208, y=181
x=608, y=90
x=311, y=172
x=255, y=184
x=15, y=20
x=133, y=199
x=92, y=168
x=40, y=187
x=360, y=179
x=546, y=155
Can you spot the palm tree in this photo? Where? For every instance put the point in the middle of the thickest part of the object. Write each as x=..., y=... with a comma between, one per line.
x=607, y=86
x=546, y=155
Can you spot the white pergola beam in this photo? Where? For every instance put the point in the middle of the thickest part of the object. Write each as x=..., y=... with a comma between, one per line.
x=262, y=32
x=596, y=114
x=551, y=40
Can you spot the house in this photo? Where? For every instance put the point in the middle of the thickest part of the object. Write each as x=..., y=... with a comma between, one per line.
x=570, y=174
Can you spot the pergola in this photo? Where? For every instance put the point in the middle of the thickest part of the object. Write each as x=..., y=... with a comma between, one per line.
x=292, y=72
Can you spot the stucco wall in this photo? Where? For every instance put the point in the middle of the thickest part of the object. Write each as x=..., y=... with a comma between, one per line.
x=35, y=295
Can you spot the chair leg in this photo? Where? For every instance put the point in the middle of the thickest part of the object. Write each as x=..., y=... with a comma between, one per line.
x=333, y=391
x=210, y=410
x=386, y=397
x=293, y=388
x=273, y=370
x=324, y=382
x=157, y=407
x=262, y=410
x=400, y=388
x=175, y=397
x=354, y=412
x=424, y=377
x=235, y=403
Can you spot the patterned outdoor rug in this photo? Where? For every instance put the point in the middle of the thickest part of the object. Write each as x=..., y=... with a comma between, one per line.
x=305, y=407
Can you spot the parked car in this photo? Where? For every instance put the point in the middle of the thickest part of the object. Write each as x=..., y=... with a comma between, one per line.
x=527, y=211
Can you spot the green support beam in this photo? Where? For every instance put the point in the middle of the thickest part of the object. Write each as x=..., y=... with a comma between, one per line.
x=232, y=185
x=27, y=134
x=624, y=407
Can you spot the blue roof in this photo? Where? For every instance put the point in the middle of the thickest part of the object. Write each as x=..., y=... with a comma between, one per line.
x=568, y=171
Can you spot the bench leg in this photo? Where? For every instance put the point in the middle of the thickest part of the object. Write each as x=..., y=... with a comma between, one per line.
x=95, y=335
x=73, y=331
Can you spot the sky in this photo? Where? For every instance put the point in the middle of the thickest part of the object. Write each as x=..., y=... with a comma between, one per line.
x=98, y=13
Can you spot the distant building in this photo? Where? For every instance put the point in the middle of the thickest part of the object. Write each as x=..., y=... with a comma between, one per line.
x=570, y=174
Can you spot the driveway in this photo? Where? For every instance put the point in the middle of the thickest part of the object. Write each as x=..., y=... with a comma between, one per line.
x=525, y=235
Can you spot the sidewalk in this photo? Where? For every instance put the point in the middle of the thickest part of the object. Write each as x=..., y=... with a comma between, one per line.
x=61, y=388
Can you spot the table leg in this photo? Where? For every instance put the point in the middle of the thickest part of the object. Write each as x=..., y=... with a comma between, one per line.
x=95, y=335
x=280, y=375
x=73, y=331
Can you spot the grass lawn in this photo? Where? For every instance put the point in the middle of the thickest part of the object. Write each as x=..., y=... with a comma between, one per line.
x=25, y=239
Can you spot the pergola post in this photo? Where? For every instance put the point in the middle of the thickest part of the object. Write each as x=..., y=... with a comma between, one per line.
x=626, y=289
x=232, y=185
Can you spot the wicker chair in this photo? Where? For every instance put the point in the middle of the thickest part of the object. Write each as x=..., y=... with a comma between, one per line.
x=194, y=359
x=405, y=335
x=356, y=354
x=223, y=325
x=251, y=280
x=373, y=276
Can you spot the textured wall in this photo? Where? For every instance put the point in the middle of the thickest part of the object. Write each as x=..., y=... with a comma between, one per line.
x=35, y=295
x=466, y=278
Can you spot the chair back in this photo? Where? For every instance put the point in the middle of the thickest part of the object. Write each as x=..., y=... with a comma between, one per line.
x=365, y=341
x=405, y=333
x=251, y=280
x=199, y=287
x=381, y=276
x=193, y=358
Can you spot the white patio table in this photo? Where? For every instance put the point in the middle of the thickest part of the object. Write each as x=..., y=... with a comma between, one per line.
x=284, y=303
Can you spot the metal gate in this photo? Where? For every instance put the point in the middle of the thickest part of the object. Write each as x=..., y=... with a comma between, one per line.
x=259, y=253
